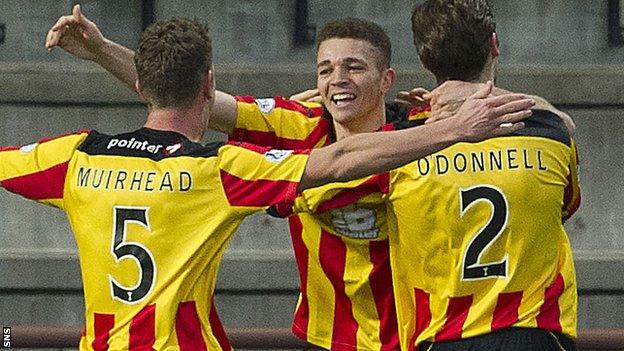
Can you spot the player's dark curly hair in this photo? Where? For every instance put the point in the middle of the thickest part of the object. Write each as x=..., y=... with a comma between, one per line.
x=171, y=60
x=452, y=37
x=355, y=28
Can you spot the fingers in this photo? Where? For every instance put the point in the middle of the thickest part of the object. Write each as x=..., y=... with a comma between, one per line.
x=412, y=97
x=58, y=29
x=311, y=95
x=403, y=94
x=77, y=13
x=515, y=105
x=420, y=92
x=56, y=32
x=51, y=40
x=406, y=98
x=514, y=117
x=500, y=100
x=483, y=92
x=427, y=96
x=80, y=19
x=403, y=102
x=416, y=93
x=63, y=22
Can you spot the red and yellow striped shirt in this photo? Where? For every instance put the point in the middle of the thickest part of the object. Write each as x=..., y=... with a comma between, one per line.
x=477, y=242
x=152, y=214
x=346, y=300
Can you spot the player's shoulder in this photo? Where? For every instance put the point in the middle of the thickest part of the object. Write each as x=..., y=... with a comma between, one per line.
x=76, y=135
x=280, y=103
x=238, y=150
x=147, y=143
x=546, y=124
x=57, y=143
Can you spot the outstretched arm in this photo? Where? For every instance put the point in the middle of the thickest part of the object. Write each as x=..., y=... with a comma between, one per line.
x=480, y=117
x=81, y=37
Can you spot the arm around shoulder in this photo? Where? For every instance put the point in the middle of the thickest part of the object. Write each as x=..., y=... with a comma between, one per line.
x=222, y=117
x=480, y=117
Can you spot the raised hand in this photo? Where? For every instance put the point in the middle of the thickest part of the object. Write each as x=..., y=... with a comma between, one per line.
x=77, y=35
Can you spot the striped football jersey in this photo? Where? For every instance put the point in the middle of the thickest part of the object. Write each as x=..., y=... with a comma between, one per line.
x=152, y=213
x=346, y=300
x=477, y=242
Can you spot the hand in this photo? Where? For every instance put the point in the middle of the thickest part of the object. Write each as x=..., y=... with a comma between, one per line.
x=312, y=95
x=446, y=99
x=482, y=117
x=77, y=35
x=414, y=97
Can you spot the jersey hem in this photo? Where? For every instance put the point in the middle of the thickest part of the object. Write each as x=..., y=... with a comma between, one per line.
x=321, y=342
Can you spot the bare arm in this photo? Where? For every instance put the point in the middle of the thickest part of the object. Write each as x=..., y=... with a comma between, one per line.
x=224, y=113
x=81, y=37
x=119, y=61
x=357, y=156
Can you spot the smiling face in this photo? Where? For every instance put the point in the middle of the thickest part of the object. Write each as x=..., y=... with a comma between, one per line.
x=351, y=82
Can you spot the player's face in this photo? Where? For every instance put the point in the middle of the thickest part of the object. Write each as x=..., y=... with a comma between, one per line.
x=349, y=80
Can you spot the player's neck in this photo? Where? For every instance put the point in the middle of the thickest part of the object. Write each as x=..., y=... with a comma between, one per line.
x=188, y=122
x=365, y=124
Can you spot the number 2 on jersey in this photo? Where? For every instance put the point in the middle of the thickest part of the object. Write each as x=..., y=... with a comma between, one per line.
x=121, y=249
x=472, y=267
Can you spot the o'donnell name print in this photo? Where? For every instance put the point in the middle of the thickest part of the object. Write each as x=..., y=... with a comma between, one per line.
x=6, y=337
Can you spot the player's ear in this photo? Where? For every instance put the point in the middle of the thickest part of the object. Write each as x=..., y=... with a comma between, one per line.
x=138, y=90
x=493, y=41
x=208, y=85
x=388, y=79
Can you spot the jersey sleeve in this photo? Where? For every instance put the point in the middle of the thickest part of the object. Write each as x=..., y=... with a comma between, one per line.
x=572, y=194
x=37, y=171
x=419, y=113
x=367, y=191
x=257, y=177
x=280, y=123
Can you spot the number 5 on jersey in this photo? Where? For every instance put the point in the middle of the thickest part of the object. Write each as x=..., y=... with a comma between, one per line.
x=122, y=249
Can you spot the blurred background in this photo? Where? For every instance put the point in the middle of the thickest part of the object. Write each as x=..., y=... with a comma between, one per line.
x=567, y=51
